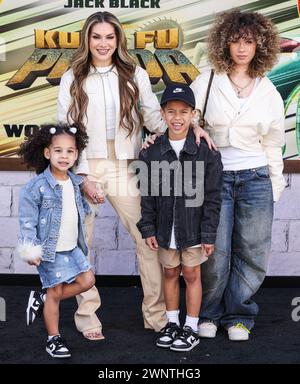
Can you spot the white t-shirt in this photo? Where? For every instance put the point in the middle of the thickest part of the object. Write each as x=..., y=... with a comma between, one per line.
x=177, y=145
x=235, y=159
x=68, y=231
x=110, y=106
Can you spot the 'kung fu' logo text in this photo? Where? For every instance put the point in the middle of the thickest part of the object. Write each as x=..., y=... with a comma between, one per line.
x=54, y=50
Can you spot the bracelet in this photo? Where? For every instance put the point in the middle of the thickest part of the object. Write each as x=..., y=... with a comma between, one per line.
x=86, y=181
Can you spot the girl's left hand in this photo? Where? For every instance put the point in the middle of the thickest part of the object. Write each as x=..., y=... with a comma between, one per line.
x=36, y=262
x=199, y=132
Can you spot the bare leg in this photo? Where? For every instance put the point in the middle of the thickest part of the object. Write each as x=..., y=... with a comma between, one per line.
x=51, y=309
x=171, y=287
x=193, y=292
x=83, y=283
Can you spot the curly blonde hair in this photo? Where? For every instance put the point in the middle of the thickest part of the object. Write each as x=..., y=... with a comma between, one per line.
x=231, y=26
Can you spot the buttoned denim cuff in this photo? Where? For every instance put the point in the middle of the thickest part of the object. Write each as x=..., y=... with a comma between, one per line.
x=148, y=231
x=208, y=238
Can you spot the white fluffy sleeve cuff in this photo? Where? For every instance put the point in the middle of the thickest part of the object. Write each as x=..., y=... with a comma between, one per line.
x=29, y=252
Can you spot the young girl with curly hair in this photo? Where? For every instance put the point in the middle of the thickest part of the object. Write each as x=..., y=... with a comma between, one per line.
x=245, y=118
x=51, y=216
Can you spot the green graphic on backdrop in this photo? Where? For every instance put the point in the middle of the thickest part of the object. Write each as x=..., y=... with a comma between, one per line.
x=28, y=99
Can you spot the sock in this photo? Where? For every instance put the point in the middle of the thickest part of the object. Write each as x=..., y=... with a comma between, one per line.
x=51, y=336
x=173, y=316
x=192, y=322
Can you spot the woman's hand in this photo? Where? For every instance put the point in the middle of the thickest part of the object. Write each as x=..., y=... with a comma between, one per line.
x=92, y=192
x=149, y=141
x=199, y=133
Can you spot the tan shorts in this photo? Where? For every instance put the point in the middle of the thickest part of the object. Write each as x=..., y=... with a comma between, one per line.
x=189, y=257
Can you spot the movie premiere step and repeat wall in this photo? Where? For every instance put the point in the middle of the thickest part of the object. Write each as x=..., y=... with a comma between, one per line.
x=168, y=39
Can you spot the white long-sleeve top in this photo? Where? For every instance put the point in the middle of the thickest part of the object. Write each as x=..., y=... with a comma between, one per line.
x=257, y=125
x=110, y=106
x=125, y=147
x=68, y=231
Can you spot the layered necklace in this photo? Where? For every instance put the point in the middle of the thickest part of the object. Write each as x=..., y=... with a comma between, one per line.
x=238, y=89
x=105, y=73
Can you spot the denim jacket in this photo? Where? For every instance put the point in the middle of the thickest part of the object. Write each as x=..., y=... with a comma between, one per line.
x=40, y=209
x=193, y=225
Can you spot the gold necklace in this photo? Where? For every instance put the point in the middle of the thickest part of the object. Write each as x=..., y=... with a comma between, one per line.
x=238, y=88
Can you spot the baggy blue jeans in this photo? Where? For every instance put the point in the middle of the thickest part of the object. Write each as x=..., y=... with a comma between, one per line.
x=237, y=268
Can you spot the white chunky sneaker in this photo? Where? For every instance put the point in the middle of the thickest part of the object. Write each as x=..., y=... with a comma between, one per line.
x=238, y=332
x=207, y=329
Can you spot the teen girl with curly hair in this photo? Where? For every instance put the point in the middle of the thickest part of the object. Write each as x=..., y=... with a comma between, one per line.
x=245, y=118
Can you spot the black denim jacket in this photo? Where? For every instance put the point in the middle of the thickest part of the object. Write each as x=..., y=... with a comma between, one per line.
x=192, y=224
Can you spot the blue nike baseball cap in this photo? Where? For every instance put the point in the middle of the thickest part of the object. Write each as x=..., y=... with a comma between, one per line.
x=181, y=92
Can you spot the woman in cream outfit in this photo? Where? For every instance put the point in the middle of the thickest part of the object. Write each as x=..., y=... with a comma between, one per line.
x=109, y=96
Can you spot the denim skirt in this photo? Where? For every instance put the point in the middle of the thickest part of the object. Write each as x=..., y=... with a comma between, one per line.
x=66, y=267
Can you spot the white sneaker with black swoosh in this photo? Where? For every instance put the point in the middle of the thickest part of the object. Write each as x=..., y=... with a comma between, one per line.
x=35, y=306
x=56, y=347
x=186, y=340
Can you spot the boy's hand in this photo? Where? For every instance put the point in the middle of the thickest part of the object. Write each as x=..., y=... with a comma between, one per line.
x=209, y=249
x=152, y=243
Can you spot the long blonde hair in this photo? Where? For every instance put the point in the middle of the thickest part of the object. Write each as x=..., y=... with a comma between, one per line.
x=125, y=64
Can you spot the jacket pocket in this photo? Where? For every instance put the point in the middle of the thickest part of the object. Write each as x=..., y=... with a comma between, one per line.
x=45, y=219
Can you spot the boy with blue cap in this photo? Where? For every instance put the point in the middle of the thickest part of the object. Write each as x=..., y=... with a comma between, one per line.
x=181, y=199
